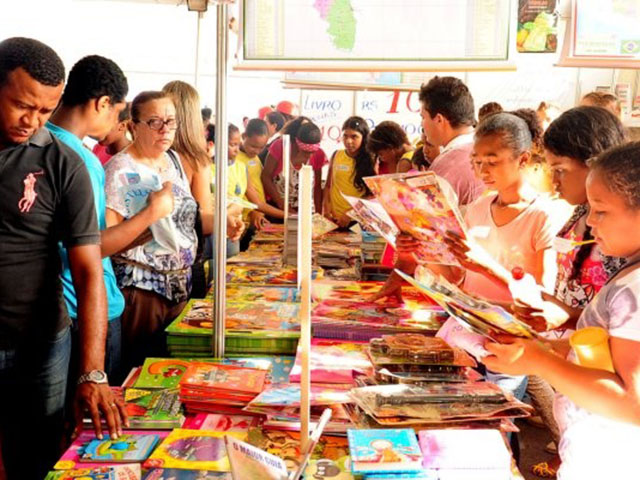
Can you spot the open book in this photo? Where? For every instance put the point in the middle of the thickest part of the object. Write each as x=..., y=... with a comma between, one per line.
x=477, y=315
x=418, y=204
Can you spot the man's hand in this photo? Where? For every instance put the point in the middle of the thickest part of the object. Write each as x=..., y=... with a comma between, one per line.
x=161, y=202
x=99, y=399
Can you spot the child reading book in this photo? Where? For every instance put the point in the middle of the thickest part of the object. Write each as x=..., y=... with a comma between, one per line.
x=254, y=140
x=597, y=409
x=388, y=143
x=346, y=172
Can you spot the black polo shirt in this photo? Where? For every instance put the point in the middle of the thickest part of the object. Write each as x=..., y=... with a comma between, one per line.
x=45, y=197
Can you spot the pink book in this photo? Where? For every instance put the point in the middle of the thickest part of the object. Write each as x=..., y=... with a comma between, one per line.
x=221, y=422
x=334, y=361
x=481, y=450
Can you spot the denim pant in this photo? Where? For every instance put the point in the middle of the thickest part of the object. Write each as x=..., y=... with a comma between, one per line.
x=33, y=380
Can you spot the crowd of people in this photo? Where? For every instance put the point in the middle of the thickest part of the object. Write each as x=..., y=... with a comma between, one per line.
x=100, y=250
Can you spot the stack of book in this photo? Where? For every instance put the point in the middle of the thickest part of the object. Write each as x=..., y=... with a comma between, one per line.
x=250, y=327
x=210, y=387
x=434, y=405
x=339, y=261
x=281, y=405
x=417, y=360
x=291, y=246
x=388, y=454
x=373, y=245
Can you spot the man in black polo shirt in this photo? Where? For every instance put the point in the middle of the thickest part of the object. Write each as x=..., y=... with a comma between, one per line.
x=46, y=198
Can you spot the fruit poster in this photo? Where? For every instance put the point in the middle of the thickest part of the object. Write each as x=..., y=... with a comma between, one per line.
x=537, y=26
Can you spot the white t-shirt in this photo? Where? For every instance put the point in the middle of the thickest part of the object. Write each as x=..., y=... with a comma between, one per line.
x=591, y=445
x=515, y=244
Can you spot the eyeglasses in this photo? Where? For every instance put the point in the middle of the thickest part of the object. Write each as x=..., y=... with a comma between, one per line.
x=157, y=123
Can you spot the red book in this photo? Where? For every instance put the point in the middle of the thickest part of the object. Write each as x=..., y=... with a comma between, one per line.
x=212, y=377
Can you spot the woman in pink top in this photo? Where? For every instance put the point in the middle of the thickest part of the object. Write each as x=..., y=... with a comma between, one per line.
x=305, y=149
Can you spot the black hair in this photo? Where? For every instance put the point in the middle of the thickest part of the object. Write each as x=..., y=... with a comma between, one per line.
x=40, y=61
x=256, y=127
x=142, y=98
x=125, y=113
x=277, y=119
x=93, y=77
x=419, y=160
x=516, y=133
x=232, y=129
x=364, y=162
x=489, y=109
x=387, y=134
x=211, y=132
x=619, y=169
x=206, y=113
x=449, y=97
x=583, y=132
x=303, y=129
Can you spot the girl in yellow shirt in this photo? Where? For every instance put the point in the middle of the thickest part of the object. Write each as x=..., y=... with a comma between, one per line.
x=347, y=170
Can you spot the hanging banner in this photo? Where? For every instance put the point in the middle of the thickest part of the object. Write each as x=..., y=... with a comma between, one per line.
x=537, y=26
x=400, y=107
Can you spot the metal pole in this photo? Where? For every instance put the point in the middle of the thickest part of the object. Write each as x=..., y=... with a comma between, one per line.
x=196, y=70
x=220, y=230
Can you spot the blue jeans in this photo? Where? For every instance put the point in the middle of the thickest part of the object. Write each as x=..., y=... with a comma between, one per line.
x=33, y=381
x=113, y=349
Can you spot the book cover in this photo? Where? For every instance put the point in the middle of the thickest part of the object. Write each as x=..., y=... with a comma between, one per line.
x=177, y=474
x=224, y=377
x=418, y=206
x=330, y=450
x=193, y=450
x=112, y=472
x=326, y=469
x=334, y=361
x=267, y=294
x=374, y=217
x=384, y=451
x=248, y=462
x=153, y=408
x=466, y=450
x=321, y=225
x=161, y=373
x=221, y=422
x=71, y=457
x=126, y=448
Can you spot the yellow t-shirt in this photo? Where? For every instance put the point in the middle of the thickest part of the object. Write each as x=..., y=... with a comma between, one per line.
x=237, y=179
x=342, y=182
x=254, y=173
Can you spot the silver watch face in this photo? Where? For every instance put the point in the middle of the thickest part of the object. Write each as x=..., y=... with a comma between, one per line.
x=97, y=376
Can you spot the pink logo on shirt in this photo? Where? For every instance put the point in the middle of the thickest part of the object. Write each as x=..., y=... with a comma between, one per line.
x=29, y=195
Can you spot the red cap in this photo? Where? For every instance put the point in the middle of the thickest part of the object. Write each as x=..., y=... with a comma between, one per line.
x=286, y=107
x=517, y=273
x=263, y=112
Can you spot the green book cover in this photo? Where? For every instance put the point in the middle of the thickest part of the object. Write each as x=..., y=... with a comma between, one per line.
x=161, y=373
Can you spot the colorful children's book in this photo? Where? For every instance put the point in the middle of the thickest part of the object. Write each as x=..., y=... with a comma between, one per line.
x=177, y=474
x=418, y=206
x=334, y=361
x=238, y=293
x=161, y=373
x=154, y=409
x=330, y=450
x=384, y=451
x=373, y=216
x=224, y=377
x=321, y=225
x=72, y=457
x=248, y=462
x=221, y=422
x=193, y=450
x=112, y=472
x=127, y=448
x=477, y=453
x=479, y=315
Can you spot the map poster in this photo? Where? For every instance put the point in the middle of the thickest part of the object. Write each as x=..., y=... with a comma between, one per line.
x=537, y=26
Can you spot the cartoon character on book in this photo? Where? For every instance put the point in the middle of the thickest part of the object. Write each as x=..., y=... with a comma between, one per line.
x=198, y=449
x=384, y=451
x=115, y=449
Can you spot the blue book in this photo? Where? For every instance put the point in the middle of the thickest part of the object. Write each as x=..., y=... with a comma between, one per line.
x=384, y=451
x=127, y=448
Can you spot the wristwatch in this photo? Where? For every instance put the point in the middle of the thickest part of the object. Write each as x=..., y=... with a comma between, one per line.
x=94, y=376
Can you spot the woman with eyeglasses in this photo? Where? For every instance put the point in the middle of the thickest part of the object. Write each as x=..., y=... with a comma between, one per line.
x=155, y=273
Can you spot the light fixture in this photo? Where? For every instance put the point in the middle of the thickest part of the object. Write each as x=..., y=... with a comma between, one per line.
x=197, y=5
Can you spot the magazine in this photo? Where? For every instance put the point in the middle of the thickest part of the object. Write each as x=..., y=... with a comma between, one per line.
x=384, y=451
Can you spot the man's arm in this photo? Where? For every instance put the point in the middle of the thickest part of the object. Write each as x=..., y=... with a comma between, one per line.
x=88, y=281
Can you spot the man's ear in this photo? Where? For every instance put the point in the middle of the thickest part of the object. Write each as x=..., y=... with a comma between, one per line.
x=102, y=103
